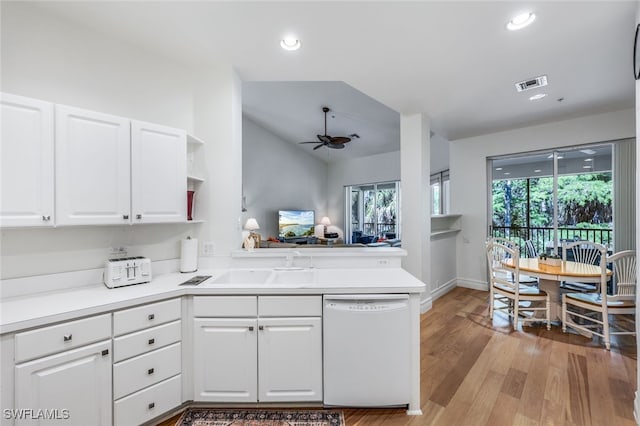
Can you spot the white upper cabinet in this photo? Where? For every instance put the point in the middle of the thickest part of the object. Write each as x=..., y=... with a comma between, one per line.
x=26, y=157
x=159, y=173
x=92, y=167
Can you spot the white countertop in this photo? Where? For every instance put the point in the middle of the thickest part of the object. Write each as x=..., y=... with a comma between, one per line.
x=19, y=313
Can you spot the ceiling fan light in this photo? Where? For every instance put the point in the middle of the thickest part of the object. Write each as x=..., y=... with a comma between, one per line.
x=290, y=43
x=520, y=21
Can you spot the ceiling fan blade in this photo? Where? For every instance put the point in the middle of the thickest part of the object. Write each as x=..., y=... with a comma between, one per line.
x=311, y=142
x=339, y=140
x=319, y=146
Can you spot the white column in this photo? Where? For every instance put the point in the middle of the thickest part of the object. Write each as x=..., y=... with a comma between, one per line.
x=218, y=121
x=415, y=209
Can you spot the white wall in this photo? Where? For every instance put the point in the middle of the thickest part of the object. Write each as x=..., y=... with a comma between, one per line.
x=439, y=160
x=277, y=175
x=637, y=133
x=469, y=174
x=54, y=60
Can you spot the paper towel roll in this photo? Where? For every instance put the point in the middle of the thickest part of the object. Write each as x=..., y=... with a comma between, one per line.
x=189, y=255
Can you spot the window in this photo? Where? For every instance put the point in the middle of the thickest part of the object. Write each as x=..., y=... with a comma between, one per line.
x=552, y=197
x=440, y=193
x=373, y=211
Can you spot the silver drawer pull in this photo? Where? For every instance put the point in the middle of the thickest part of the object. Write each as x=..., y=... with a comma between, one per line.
x=261, y=327
x=150, y=371
x=46, y=218
x=67, y=337
x=105, y=352
x=250, y=328
x=125, y=216
x=152, y=341
x=151, y=317
x=138, y=216
x=151, y=405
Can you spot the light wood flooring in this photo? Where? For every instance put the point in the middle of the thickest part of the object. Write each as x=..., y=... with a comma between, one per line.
x=478, y=372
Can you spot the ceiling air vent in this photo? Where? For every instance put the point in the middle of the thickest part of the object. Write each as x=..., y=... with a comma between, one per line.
x=532, y=83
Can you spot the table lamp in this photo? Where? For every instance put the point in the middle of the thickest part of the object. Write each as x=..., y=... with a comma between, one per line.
x=251, y=226
x=326, y=222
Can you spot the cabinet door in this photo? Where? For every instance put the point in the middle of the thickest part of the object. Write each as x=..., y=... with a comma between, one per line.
x=159, y=173
x=290, y=359
x=27, y=162
x=224, y=360
x=92, y=168
x=74, y=386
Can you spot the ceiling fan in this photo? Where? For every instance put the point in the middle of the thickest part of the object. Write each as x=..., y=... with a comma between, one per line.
x=333, y=142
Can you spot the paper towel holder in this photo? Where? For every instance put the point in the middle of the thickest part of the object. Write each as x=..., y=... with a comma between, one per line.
x=190, y=264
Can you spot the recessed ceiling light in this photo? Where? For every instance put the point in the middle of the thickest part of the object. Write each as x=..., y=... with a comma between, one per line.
x=520, y=21
x=537, y=96
x=290, y=43
x=588, y=159
x=587, y=151
x=498, y=168
x=586, y=167
x=507, y=173
x=537, y=171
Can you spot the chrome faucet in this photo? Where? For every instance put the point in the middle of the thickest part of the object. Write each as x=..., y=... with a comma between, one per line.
x=289, y=259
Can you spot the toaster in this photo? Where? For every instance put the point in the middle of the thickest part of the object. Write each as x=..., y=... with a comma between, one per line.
x=127, y=271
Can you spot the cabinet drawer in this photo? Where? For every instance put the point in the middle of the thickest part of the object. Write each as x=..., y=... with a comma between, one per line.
x=137, y=373
x=146, y=316
x=290, y=306
x=137, y=343
x=61, y=337
x=225, y=306
x=151, y=402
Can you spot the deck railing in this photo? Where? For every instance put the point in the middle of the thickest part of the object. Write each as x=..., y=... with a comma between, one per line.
x=543, y=236
x=379, y=229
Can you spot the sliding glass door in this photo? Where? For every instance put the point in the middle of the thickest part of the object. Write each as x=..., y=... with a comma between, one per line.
x=372, y=212
x=552, y=197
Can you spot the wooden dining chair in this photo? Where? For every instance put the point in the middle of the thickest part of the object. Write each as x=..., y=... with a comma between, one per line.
x=524, y=279
x=594, y=309
x=519, y=301
x=531, y=249
x=582, y=252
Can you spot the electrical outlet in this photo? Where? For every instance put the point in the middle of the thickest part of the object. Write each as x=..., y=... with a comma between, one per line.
x=383, y=261
x=208, y=248
x=117, y=252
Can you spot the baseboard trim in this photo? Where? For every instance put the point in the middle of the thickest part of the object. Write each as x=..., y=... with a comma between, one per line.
x=426, y=305
x=443, y=289
x=473, y=284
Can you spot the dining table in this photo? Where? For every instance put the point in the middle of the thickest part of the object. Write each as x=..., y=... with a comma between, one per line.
x=550, y=277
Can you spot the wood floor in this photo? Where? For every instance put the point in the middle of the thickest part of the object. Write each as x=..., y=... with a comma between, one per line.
x=478, y=372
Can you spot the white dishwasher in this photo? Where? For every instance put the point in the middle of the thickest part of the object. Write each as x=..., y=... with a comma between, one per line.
x=367, y=350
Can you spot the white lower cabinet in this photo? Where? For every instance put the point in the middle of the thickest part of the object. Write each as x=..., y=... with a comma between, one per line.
x=72, y=387
x=147, y=369
x=225, y=364
x=249, y=359
x=290, y=359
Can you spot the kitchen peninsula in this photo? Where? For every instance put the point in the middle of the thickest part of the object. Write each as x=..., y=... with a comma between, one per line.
x=255, y=331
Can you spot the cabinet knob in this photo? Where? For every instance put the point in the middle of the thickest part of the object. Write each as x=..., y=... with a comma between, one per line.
x=46, y=217
x=152, y=341
x=67, y=337
x=105, y=352
x=125, y=216
x=261, y=327
x=151, y=317
x=151, y=405
x=138, y=216
x=250, y=328
x=150, y=371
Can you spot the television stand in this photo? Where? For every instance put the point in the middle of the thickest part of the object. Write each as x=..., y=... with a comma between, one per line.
x=298, y=240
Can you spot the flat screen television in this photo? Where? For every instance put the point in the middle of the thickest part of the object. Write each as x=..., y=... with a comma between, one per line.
x=296, y=223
